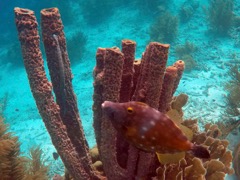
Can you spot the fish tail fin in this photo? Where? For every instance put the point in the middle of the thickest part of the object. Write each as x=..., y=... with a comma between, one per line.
x=200, y=152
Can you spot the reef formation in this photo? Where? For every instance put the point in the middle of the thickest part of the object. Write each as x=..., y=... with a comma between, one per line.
x=118, y=77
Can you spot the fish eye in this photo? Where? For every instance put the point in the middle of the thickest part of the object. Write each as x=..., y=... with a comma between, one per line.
x=130, y=110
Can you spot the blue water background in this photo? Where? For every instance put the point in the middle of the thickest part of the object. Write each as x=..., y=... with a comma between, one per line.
x=125, y=20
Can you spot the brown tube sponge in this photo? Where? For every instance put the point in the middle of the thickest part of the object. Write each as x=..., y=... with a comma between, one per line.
x=167, y=89
x=42, y=92
x=152, y=70
x=111, y=83
x=148, y=90
x=98, y=92
x=61, y=76
x=137, y=68
x=180, y=65
x=128, y=49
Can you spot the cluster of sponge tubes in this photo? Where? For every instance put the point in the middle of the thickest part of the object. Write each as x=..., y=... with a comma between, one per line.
x=118, y=77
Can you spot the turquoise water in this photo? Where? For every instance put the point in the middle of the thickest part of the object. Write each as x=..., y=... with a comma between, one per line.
x=105, y=24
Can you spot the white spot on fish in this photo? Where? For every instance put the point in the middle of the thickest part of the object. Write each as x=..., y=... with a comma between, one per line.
x=143, y=137
x=156, y=116
x=152, y=147
x=153, y=138
x=165, y=119
x=144, y=129
x=152, y=123
x=144, y=110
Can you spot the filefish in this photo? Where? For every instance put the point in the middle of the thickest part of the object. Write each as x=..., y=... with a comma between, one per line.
x=62, y=83
x=150, y=130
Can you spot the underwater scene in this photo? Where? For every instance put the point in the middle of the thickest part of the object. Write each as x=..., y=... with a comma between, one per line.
x=120, y=90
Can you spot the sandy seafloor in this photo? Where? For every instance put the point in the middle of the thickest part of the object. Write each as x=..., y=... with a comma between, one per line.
x=204, y=84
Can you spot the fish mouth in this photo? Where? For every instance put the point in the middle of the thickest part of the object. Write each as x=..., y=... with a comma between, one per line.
x=108, y=109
